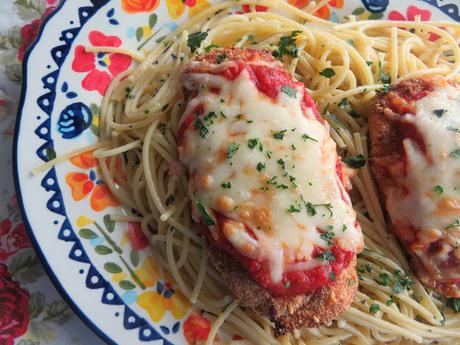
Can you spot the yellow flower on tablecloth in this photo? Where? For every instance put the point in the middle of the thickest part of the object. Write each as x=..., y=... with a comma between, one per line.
x=165, y=298
x=177, y=7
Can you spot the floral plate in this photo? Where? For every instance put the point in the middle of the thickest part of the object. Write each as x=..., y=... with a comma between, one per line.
x=103, y=268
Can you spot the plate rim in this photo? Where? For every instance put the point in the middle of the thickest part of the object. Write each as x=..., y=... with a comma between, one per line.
x=17, y=187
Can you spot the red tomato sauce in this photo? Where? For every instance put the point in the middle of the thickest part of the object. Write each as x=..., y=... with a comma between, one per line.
x=292, y=283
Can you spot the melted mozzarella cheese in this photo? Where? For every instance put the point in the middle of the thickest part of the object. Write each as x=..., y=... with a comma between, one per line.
x=266, y=165
x=432, y=203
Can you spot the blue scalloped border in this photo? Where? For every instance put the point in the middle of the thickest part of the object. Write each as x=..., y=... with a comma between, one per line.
x=94, y=280
x=450, y=10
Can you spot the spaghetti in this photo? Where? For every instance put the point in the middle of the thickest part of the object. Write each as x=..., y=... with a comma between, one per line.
x=343, y=66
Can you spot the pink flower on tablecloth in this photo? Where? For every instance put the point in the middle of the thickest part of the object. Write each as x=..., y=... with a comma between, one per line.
x=137, y=238
x=412, y=12
x=12, y=239
x=30, y=31
x=14, y=317
x=100, y=67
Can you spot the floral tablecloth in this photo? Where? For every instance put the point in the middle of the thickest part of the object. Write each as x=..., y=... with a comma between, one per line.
x=31, y=310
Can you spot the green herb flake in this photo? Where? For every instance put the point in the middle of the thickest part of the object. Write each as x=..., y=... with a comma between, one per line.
x=269, y=153
x=327, y=72
x=328, y=237
x=455, y=153
x=306, y=137
x=383, y=77
x=194, y=40
x=293, y=148
x=293, y=209
x=343, y=103
x=260, y=166
x=454, y=304
x=279, y=134
x=227, y=185
x=252, y=143
x=332, y=276
x=390, y=301
x=439, y=112
x=356, y=161
x=438, y=189
x=369, y=63
x=289, y=91
x=287, y=46
x=383, y=279
x=205, y=216
x=326, y=256
x=454, y=224
x=287, y=285
x=221, y=58
x=281, y=163
x=374, y=308
x=453, y=129
x=231, y=150
x=201, y=127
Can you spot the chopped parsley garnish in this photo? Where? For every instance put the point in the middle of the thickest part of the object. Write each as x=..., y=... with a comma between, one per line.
x=272, y=181
x=169, y=200
x=194, y=40
x=374, y=308
x=383, y=279
x=306, y=137
x=438, y=189
x=327, y=72
x=454, y=304
x=369, y=63
x=293, y=147
x=205, y=216
x=293, y=209
x=384, y=77
x=251, y=39
x=389, y=301
x=328, y=237
x=279, y=134
x=222, y=100
x=455, y=223
x=311, y=211
x=269, y=153
x=287, y=46
x=227, y=185
x=200, y=126
x=356, y=161
x=453, y=129
x=221, y=58
x=343, y=103
x=210, y=117
x=332, y=276
x=439, y=112
x=232, y=148
x=289, y=91
x=344, y=228
x=281, y=163
x=455, y=153
x=261, y=166
x=252, y=143
x=400, y=282
x=282, y=186
x=287, y=285
x=326, y=256
x=129, y=95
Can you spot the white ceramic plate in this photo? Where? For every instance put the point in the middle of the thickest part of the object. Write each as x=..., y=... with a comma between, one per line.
x=104, y=269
